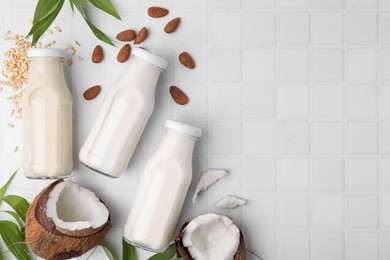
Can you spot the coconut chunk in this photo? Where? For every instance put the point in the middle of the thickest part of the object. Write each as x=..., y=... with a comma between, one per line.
x=211, y=237
x=230, y=202
x=73, y=207
x=208, y=178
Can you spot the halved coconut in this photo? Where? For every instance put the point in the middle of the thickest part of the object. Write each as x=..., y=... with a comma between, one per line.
x=66, y=220
x=210, y=237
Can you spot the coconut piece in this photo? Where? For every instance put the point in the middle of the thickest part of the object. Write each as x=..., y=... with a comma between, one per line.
x=230, y=202
x=66, y=220
x=210, y=237
x=208, y=178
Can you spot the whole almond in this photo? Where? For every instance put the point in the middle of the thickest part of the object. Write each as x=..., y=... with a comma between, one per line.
x=124, y=53
x=178, y=95
x=97, y=54
x=92, y=92
x=141, y=36
x=126, y=36
x=157, y=12
x=186, y=60
x=172, y=25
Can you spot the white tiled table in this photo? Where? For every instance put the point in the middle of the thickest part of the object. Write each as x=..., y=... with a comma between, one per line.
x=294, y=100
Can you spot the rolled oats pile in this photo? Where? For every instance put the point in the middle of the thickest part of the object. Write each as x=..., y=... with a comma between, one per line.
x=15, y=71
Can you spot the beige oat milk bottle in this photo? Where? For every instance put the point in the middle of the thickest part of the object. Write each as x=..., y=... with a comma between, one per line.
x=123, y=116
x=47, y=117
x=162, y=189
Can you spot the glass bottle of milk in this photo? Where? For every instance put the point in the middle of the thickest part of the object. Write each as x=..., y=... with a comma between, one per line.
x=47, y=117
x=123, y=116
x=162, y=189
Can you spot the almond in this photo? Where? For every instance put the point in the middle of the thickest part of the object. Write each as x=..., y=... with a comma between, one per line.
x=97, y=54
x=186, y=60
x=178, y=95
x=92, y=92
x=126, y=36
x=141, y=36
x=172, y=25
x=157, y=12
x=124, y=53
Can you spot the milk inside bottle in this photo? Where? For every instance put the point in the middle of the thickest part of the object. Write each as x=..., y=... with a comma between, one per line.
x=47, y=117
x=123, y=116
x=162, y=189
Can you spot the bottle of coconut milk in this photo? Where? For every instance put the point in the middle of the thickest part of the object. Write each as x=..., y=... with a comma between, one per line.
x=123, y=116
x=162, y=189
x=47, y=117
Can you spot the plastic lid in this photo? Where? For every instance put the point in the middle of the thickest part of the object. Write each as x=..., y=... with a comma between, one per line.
x=152, y=58
x=184, y=128
x=46, y=52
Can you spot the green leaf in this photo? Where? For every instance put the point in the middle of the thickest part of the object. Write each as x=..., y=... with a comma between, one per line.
x=108, y=252
x=44, y=8
x=15, y=216
x=99, y=34
x=166, y=255
x=107, y=7
x=1, y=254
x=81, y=5
x=14, y=240
x=19, y=204
x=41, y=26
x=71, y=5
x=128, y=251
x=5, y=187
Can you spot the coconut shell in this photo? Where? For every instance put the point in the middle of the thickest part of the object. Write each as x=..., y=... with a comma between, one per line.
x=53, y=243
x=182, y=251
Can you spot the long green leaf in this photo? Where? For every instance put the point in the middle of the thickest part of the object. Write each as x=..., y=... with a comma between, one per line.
x=128, y=251
x=81, y=6
x=108, y=252
x=15, y=216
x=19, y=204
x=166, y=255
x=44, y=8
x=107, y=7
x=41, y=26
x=71, y=5
x=4, y=188
x=14, y=240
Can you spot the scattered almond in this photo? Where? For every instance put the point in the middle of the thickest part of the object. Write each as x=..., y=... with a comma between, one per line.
x=70, y=61
x=126, y=36
x=124, y=53
x=10, y=125
x=141, y=36
x=186, y=60
x=178, y=95
x=16, y=148
x=157, y=12
x=92, y=92
x=97, y=54
x=172, y=25
x=58, y=29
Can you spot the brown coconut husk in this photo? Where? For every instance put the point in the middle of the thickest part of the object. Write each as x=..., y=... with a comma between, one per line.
x=53, y=243
x=182, y=251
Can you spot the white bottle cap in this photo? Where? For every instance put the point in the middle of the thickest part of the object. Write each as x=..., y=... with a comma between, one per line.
x=152, y=58
x=184, y=128
x=46, y=52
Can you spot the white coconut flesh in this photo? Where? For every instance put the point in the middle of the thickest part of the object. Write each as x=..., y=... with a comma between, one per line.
x=73, y=207
x=211, y=237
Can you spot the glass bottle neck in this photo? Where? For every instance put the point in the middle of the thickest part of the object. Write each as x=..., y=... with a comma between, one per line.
x=177, y=144
x=141, y=74
x=47, y=70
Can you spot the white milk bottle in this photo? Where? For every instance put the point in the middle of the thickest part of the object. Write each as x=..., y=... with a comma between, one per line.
x=123, y=116
x=162, y=189
x=47, y=117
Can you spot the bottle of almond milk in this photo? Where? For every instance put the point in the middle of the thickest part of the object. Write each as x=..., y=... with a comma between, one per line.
x=47, y=117
x=123, y=116
x=162, y=189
